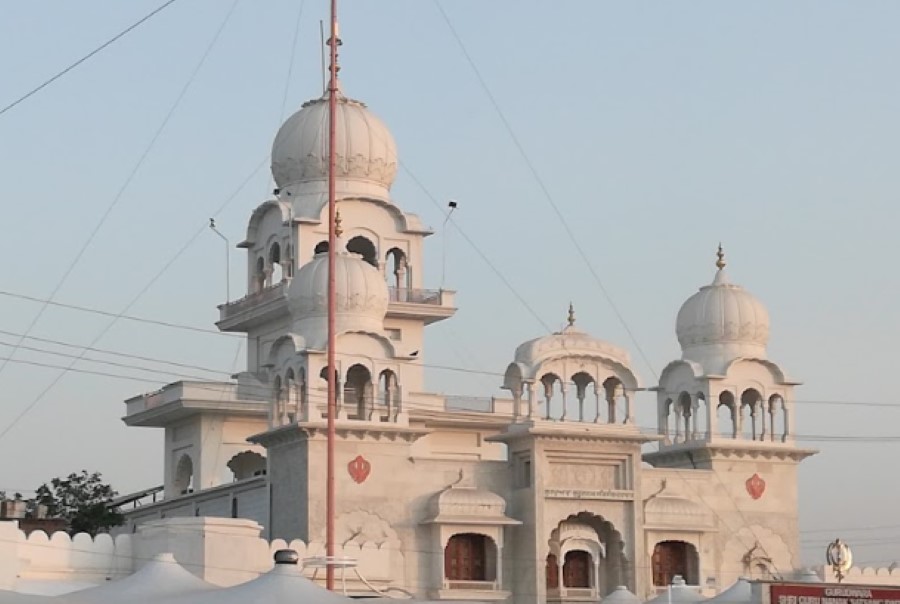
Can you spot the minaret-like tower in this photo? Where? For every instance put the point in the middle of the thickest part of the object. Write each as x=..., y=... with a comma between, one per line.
x=727, y=409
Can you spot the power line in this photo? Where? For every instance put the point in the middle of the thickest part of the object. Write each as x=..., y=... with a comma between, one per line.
x=60, y=74
x=137, y=166
x=127, y=317
x=543, y=186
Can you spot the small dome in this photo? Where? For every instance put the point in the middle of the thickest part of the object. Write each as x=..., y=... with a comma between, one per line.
x=678, y=593
x=365, y=149
x=740, y=592
x=621, y=595
x=361, y=297
x=722, y=322
x=570, y=341
x=462, y=501
x=666, y=510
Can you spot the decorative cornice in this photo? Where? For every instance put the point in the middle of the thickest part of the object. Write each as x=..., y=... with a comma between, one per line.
x=348, y=430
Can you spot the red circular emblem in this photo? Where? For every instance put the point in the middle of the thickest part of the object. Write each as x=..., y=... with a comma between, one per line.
x=756, y=486
x=359, y=469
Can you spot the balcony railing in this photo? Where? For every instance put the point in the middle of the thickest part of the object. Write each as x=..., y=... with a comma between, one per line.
x=473, y=585
x=415, y=296
x=273, y=292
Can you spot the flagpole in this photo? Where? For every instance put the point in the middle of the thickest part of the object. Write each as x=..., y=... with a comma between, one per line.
x=333, y=43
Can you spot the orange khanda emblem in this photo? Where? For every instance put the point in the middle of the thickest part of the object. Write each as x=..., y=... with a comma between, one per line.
x=756, y=486
x=359, y=469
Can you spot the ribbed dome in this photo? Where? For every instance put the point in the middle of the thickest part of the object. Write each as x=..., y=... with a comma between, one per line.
x=365, y=149
x=621, y=595
x=722, y=322
x=361, y=297
x=673, y=511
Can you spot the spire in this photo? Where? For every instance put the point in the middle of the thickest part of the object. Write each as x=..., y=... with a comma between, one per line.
x=720, y=255
x=571, y=318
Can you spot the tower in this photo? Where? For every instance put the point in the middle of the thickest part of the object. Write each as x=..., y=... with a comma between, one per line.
x=726, y=409
x=575, y=467
x=381, y=311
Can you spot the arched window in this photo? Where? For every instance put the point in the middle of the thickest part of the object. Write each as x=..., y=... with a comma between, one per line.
x=614, y=392
x=184, y=475
x=277, y=401
x=577, y=569
x=247, y=464
x=259, y=275
x=726, y=415
x=672, y=558
x=684, y=417
x=548, y=380
x=321, y=247
x=582, y=380
x=751, y=404
x=397, y=270
x=365, y=248
x=358, y=390
x=389, y=391
x=275, y=263
x=466, y=558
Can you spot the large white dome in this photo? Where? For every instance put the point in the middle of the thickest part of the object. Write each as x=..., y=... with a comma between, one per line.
x=722, y=322
x=361, y=297
x=365, y=150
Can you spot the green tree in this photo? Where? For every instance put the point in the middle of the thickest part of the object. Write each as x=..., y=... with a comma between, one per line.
x=82, y=500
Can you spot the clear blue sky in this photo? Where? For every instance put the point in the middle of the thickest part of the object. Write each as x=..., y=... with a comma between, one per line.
x=658, y=128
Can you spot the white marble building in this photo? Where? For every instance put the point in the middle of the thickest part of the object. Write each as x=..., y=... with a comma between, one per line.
x=548, y=494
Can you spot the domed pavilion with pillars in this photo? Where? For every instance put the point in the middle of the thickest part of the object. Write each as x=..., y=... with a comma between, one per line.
x=550, y=492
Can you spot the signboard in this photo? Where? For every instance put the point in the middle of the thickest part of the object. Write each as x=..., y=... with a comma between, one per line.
x=821, y=593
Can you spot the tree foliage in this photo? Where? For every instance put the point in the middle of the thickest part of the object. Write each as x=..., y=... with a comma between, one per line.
x=82, y=500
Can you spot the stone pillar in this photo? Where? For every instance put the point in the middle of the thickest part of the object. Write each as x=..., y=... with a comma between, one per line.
x=628, y=418
x=678, y=415
x=532, y=399
x=563, y=389
x=597, y=390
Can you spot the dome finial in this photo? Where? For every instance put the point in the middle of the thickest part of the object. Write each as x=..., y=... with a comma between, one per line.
x=720, y=255
x=338, y=231
x=571, y=318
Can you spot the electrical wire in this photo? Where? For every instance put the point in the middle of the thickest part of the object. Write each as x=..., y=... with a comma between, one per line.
x=543, y=187
x=66, y=70
x=121, y=191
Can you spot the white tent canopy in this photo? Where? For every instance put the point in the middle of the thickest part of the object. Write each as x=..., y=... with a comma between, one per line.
x=161, y=577
x=14, y=597
x=678, y=593
x=283, y=584
x=621, y=595
x=739, y=593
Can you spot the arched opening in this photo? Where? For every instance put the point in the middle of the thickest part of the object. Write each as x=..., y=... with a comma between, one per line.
x=777, y=420
x=701, y=416
x=549, y=380
x=184, y=475
x=259, y=275
x=577, y=567
x=365, y=248
x=470, y=557
x=275, y=263
x=289, y=412
x=581, y=381
x=751, y=403
x=321, y=248
x=615, y=393
x=302, y=393
x=288, y=261
x=667, y=420
x=388, y=393
x=684, y=418
x=398, y=273
x=358, y=390
x=671, y=558
x=726, y=415
x=247, y=464
x=592, y=553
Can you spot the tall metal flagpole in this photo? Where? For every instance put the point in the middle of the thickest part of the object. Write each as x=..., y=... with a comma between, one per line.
x=333, y=43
